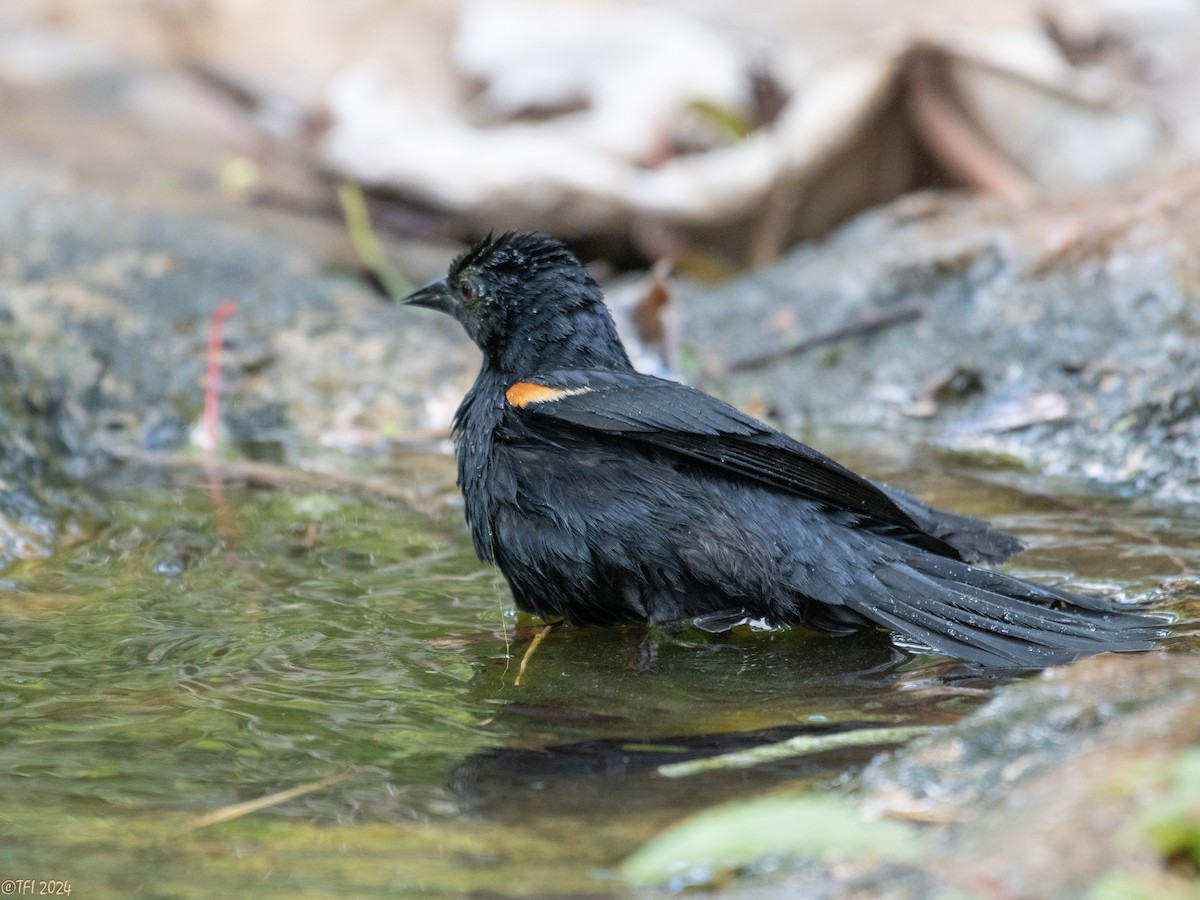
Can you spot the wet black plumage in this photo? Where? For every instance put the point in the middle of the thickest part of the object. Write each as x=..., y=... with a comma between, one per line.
x=606, y=496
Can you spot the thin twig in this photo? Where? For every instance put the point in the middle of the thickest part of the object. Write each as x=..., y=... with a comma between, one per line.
x=267, y=474
x=238, y=810
x=212, y=386
x=366, y=243
x=800, y=745
x=862, y=327
x=533, y=645
x=212, y=418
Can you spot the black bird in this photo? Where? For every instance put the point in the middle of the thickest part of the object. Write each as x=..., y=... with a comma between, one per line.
x=606, y=496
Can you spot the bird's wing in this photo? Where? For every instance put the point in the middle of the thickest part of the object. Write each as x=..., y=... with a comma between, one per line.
x=975, y=540
x=670, y=416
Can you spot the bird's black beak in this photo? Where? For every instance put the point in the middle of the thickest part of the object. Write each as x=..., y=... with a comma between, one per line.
x=435, y=295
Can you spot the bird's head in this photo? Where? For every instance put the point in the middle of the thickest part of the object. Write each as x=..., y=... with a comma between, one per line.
x=529, y=305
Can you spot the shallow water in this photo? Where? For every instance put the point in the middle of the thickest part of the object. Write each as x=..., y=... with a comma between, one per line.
x=202, y=651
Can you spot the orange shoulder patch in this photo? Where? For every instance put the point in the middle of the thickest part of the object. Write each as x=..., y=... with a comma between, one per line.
x=523, y=393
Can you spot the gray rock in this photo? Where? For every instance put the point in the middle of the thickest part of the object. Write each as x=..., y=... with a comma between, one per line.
x=1062, y=335
x=104, y=315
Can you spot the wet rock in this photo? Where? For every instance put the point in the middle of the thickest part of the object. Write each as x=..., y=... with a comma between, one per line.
x=104, y=312
x=39, y=426
x=1058, y=787
x=1046, y=784
x=1039, y=726
x=111, y=302
x=1075, y=320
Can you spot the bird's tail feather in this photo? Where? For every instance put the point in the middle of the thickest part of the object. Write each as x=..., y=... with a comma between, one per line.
x=995, y=619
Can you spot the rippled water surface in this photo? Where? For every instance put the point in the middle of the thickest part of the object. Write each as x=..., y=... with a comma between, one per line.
x=200, y=652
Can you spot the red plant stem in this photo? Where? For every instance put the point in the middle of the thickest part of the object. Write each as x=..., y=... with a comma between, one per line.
x=212, y=387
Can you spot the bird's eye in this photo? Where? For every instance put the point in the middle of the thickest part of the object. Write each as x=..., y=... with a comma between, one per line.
x=469, y=291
